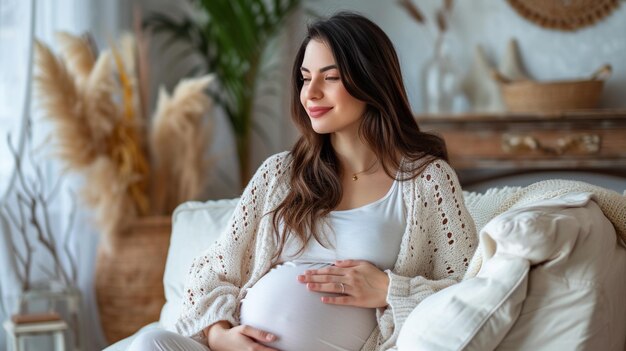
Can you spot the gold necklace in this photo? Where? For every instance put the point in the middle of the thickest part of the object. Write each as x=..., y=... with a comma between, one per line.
x=354, y=175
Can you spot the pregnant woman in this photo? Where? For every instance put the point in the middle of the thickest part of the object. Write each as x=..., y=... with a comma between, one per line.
x=334, y=243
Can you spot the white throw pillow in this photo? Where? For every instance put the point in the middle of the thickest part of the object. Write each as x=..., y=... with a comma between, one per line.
x=195, y=227
x=475, y=314
x=575, y=299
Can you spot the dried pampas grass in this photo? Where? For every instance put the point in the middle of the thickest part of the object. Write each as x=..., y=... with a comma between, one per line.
x=79, y=55
x=127, y=145
x=59, y=98
x=180, y=168
x=95, y=106
x=97, y=94
x=106, y=192
x=128, y=54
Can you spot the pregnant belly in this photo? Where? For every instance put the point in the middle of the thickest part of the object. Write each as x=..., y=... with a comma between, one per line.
x=279, y=304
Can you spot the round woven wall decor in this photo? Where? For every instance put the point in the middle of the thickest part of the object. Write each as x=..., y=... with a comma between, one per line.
x=566, y=15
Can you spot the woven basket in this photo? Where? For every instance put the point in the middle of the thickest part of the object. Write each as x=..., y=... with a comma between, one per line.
x=129, y=277
x=536, y=96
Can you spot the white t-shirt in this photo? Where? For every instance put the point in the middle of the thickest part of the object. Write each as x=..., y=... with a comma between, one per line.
x=279, y=304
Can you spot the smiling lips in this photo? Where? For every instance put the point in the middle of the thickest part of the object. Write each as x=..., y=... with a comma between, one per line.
x=318, y=111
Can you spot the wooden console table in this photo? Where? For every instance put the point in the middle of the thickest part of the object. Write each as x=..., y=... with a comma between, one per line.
x=505, y=144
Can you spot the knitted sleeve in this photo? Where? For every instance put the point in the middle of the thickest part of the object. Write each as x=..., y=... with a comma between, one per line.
x=443, y=227
x=448, y=223
x=213, y=287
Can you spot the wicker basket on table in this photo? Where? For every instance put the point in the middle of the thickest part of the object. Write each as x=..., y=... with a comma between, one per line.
x=536, y=96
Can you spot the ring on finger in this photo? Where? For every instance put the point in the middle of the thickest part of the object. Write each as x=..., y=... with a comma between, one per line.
x=343, y=288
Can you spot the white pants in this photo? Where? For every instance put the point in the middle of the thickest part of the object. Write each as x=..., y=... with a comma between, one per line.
x=163, y=340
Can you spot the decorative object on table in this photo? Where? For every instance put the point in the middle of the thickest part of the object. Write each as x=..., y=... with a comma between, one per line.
x=567, y=15
x=441, y=81
x=511, y=64
x=41, y=257
x=231, y=37
x=529, y=95
x=136, y=170
x=481, y=89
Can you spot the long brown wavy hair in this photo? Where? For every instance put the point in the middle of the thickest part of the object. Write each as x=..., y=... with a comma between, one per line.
x=370, y=71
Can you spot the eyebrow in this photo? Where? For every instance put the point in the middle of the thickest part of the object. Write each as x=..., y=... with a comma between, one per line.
x=323, y=69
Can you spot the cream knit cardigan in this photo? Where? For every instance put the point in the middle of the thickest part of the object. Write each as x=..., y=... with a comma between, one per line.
x=436, y=248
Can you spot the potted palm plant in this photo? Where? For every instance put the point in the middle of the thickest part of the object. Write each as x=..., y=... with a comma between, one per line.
x=230, y=36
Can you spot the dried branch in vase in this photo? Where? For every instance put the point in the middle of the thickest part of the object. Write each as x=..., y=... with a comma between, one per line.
x=95, y=103
x=413, y=11
x=442, y=14
x=29, y=217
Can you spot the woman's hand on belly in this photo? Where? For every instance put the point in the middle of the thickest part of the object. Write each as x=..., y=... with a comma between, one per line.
x=222, y=337
x=361, y=283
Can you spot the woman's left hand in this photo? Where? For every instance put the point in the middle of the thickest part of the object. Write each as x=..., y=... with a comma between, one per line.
x=361, y=283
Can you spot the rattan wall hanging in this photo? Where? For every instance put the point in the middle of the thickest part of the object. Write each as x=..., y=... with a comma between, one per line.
x=565, y=15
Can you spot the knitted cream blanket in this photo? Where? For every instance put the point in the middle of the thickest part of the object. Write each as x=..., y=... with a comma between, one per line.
x=484, y=207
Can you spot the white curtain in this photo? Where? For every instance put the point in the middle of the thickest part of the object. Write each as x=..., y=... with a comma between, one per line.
x=15, y=32
x=104, y=20
x=14, y=49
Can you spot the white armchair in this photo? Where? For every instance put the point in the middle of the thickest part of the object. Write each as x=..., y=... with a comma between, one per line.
x=196, y=225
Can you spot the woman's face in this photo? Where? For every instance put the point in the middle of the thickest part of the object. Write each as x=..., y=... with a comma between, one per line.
x=330, y=107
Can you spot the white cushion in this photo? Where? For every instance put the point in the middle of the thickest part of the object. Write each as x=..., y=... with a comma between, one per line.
x=576, y=298
x=452, y=318
x=195, y=227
